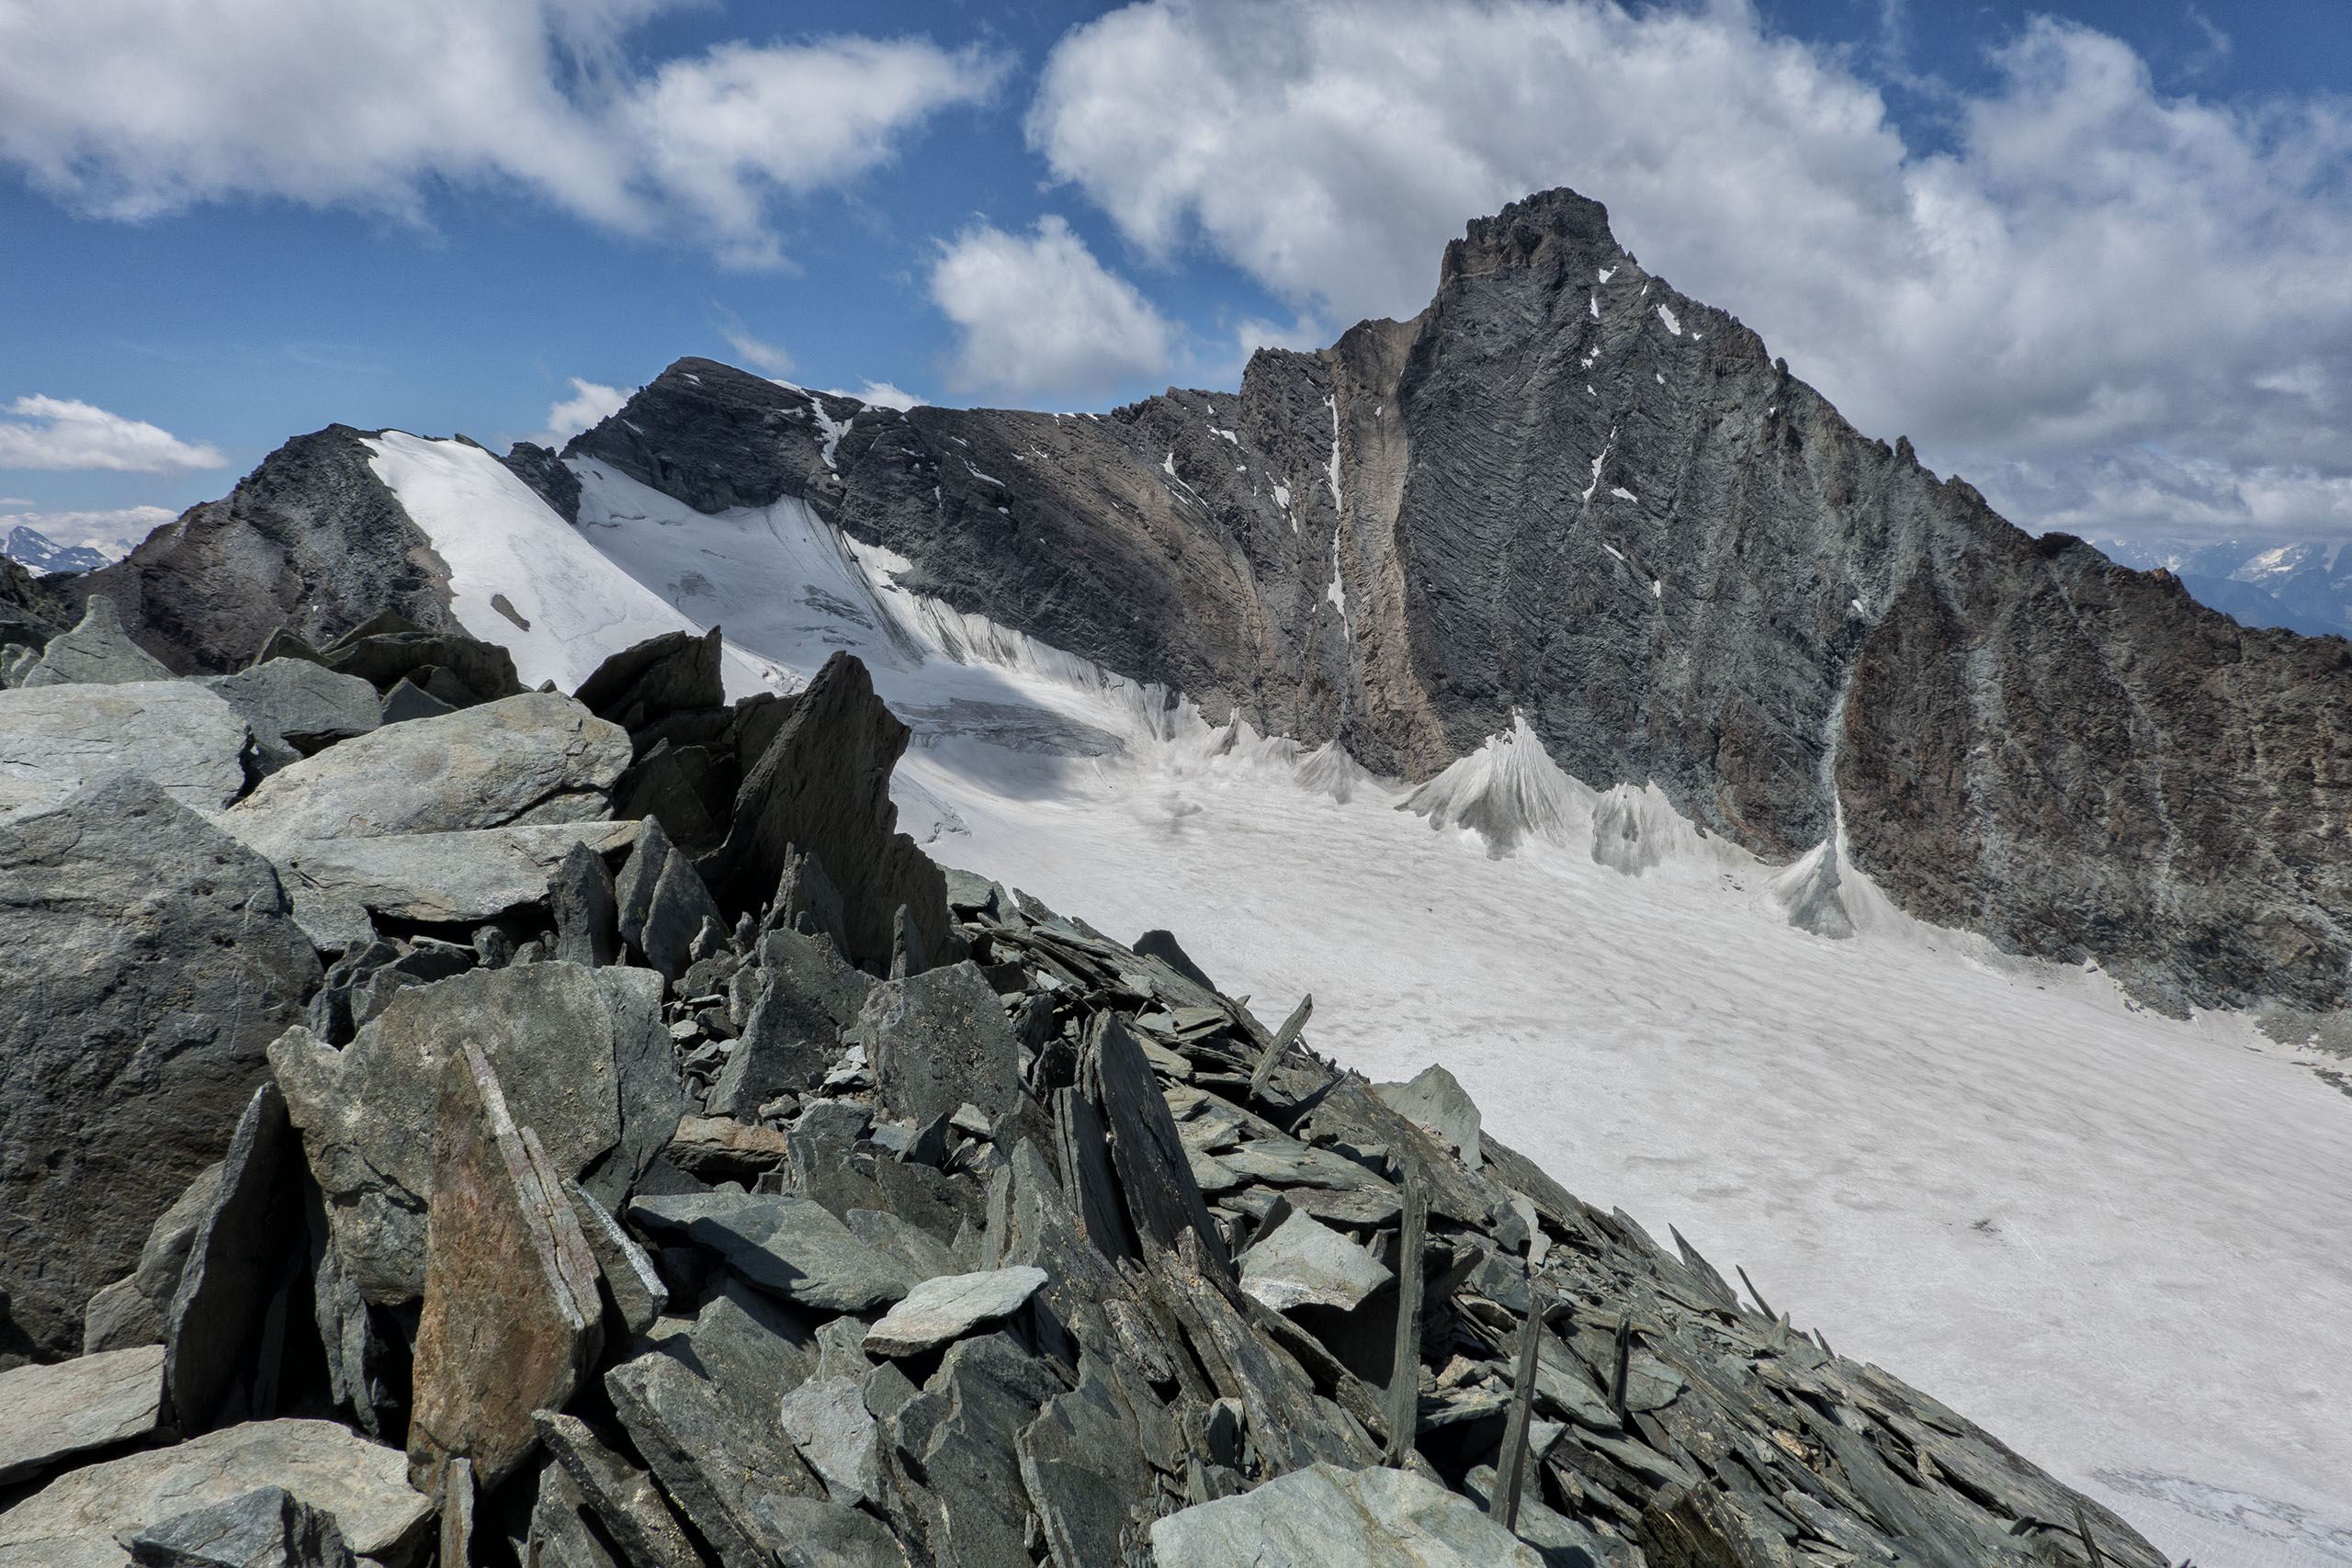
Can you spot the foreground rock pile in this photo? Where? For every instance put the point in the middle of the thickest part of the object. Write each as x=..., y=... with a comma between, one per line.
x=561, y=1130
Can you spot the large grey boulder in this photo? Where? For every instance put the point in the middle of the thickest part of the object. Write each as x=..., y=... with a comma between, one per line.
x=96, y=652
x=939, y=1041
x=580, y=1056
x=436, y=878
x=267, y=1528
x=789, y=1247
x=836, y=1435
x=1324, y=1517
x=1437, y=1104
x=74, y=1521
x=130, y=1311
x=806, y=993
x=295, y=706
x=537, y=757
x=69, y=1407
x=511, y=1319
x=656, y=677
x=824, y=786
x=580, y=897
x=148, y=961
x=1083, y=1466
x=54, y=741
x=718, y=1465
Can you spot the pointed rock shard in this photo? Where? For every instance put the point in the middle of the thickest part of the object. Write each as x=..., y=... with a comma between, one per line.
x=622, y=1497
x=66, y=1407
x=96, y=652
x=234, y=1262
x=806, y=901
x=1324, y=1517
x=1282, y=1043
x=939, y=1041
x=788, y=1042
x=655, y=677
x=675, y=916
x=1441, y=1107
x=1155, y=1172
x=823, y=786
x=950, y=1306
x=635, y=1286
x=1083, y=1467
x=579, y=896
x=1162, y=945
x=561, y=1535
x=715, y=1464
x=267, y=1528
x=640, y=876
x=511, y=1317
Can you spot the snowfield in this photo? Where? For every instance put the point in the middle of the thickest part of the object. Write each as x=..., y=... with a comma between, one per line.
x=2122, y=1243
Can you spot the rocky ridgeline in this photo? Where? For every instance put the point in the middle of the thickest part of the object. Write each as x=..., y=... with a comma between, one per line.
x=448, y=1122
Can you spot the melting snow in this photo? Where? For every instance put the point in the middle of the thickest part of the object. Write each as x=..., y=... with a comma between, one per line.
x=1332, y=403
x=1658, y=588
x=990, y=478
x=1621, y=493
x=1606, y=273
x=1598, y=458
x=1336, y=595
x=1593, y=304
x=1672, y=326
x=1226, y=434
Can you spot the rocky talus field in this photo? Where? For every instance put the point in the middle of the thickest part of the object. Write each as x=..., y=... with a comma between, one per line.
x=450, y=1122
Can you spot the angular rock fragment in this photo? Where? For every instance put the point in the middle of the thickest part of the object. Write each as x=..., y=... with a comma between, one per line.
x=75, y=1520
x=236, y=1260
x=385, y=651
x=973, y=1509
x=580, y=897
x=410, y=700
x=1084, y=1470
x=651, y=680
x=675, y=916
x=823, y=785
x=1324, y=1517
x=939, y=1041
x=837, y=1436
x=120, y=1318
x=580, y=1056
x=559, y=1535
x=630, y=1279
x=1155, y=1172
x=827, y=1535
x=69, y=1407
x=150, y=962
x=511, y=1317
x=267, y=1528
x=97, y=651
x=486, y=767
x=295, y=706
x=922, y=1255
x=787, y=1043
x=754, y=1348
x=1439, y=1105
x=789, y=1247
x=714, y=1464
x=716, y=1149
x=1301, y=1263
x=622, y=1497
x=432, y=878
x=633, y=889
x=950, y=1306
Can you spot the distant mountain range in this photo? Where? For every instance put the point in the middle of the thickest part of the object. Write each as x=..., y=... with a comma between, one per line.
x=36, y=551
x=2303, y=585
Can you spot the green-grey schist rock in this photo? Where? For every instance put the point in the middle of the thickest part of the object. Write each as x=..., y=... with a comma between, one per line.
x=68, y=1408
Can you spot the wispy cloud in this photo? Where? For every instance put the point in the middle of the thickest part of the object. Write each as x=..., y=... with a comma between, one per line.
x=757, y=353
x=589, y=404
x=131, y=110
x=1036, y=313
x=61, y=433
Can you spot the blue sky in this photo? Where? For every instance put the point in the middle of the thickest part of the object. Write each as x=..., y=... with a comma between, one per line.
x=2096, y=256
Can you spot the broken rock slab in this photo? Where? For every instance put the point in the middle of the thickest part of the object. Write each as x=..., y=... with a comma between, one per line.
x=837, y=1436
x=950, y=1306
x=55, y=740
x=510, y=761
x=1304, y=1263
x=581, y=1058
x=714, y=1462
x=75, y=1520
x=267, y=1528
x=97, y=651
x=1324, y=1517
x=789, y=1247
x=938, y=1041
x=580, y=897
x=151, y=959
x=1441, y=1107
x=295, y=706
x=622, y=1497
x=236, y=1260
x=70, y=1407
x=511, y=1319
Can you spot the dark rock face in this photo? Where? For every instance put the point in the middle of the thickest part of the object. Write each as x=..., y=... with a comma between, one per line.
x=149, y=961
x=311, y=540
x=1568, y=491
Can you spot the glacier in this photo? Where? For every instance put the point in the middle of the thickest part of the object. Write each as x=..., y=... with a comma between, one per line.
x=2120, y=1241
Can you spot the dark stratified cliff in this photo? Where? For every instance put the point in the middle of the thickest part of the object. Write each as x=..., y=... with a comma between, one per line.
x=1568, y=491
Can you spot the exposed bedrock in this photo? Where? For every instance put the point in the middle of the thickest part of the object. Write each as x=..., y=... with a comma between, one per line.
x=1568, y=492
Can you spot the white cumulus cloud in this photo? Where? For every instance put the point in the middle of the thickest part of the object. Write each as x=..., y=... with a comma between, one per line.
x=2092, y=266
x=111, y=532
x=588, y=404
x=1036, y=313
x=127, y=108
x=61, y=433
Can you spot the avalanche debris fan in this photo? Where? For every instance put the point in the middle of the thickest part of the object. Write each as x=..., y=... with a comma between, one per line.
x=748, y=1190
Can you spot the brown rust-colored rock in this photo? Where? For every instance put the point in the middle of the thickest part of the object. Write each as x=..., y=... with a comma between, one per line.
x=510, y=1318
